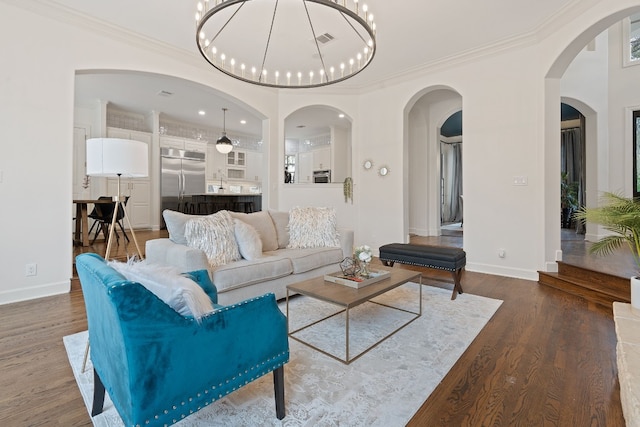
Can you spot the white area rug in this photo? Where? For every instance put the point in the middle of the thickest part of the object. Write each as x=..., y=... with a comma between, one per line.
x=384, y=387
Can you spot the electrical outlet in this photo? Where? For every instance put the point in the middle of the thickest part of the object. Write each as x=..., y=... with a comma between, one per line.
x=31, y=269
x=520, y=180
x=502, y=253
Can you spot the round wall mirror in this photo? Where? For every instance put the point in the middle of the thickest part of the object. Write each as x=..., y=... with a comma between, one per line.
x=383, y=171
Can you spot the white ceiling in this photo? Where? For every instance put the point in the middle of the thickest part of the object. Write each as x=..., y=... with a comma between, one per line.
x=410, y=34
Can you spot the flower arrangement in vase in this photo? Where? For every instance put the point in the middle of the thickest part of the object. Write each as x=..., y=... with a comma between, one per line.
x=363, y=256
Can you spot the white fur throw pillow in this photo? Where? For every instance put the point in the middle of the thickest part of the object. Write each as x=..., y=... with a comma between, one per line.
x=312, y=228
x=214, y=235
x=178, y=291
x=248, y=239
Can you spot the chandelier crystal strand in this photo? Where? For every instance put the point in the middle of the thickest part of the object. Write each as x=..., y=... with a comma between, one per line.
x=349, y=34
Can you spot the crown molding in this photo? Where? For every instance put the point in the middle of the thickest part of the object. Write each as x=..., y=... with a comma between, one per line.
x=60, y=13
x=566, y=14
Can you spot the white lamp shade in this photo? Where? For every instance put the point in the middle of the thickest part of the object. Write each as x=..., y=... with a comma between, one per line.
x=114, y=156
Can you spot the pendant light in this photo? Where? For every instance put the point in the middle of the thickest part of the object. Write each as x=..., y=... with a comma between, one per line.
x=223, y=144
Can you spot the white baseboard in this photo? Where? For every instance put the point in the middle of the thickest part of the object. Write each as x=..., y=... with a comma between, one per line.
x=516, y=273
x=34, y=292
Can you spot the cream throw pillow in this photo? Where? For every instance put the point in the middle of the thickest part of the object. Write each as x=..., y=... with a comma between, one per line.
x=178, y=291
x=214, y=235
x=263, y=224
x=312, y=228
x=248, y=239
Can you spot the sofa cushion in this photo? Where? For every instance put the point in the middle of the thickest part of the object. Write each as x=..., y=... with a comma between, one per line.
x=263, y=224
x=245, y=272
x=176, y=222
x=248, y=239
x=177, y=290
x=303, y=260
x=281, y=222
x=214, y=235
x=312, y=227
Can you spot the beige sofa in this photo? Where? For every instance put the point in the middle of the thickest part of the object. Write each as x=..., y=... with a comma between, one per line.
x=278, y=266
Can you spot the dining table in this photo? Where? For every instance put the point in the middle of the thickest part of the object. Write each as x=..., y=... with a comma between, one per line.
x=81, y=235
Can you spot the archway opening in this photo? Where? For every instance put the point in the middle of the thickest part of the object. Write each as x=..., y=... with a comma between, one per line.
x=434, y=158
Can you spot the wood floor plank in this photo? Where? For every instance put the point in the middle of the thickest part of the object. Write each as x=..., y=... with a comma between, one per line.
x=545, y=358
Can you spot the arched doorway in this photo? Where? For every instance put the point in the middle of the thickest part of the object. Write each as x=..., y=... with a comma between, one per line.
x=426, y=115
x=451, y=172
x=572, y=166
x=607, y=158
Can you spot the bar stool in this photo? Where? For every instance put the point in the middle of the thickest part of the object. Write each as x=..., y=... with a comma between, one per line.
x=201, y=205
x=186, y=207
x=246, y=207
x=217, y=206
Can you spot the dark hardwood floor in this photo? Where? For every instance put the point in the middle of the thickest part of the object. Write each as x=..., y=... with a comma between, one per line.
x=545, y=358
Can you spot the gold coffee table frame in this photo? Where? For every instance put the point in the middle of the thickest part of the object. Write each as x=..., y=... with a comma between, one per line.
x=348, y=298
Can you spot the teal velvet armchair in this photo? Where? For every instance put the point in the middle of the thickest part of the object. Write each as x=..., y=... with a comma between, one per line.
x=159, y=366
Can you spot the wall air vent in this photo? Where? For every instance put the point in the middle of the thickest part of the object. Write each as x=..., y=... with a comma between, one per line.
x=325, y=38
x=165, y=93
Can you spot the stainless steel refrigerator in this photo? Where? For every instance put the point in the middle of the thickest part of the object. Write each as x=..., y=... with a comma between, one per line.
x=183, y=175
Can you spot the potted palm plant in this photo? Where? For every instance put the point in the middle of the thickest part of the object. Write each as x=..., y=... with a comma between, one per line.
x=621, y=216
x=568, y=199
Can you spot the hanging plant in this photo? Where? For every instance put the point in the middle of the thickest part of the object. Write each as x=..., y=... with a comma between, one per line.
x=347, y=187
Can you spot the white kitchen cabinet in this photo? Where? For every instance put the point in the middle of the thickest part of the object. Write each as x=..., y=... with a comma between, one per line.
x=195, y=145
x=237, y=158
x=172, y=142
x=322, y=158
x=138, y=189
x=304, y=172
x=138, y=205
x=254, y=166
x=183, y=144
x=216, y=163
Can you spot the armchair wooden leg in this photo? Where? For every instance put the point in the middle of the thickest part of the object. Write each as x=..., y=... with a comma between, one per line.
x=98, y=394
x=278, y=388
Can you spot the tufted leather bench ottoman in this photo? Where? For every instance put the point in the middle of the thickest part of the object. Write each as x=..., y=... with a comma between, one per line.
x=438, y=257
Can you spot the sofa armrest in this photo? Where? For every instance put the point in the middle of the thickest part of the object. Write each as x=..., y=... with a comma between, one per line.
x=346, y=242
x=182, y=257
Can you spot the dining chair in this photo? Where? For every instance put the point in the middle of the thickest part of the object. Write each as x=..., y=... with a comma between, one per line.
x=100, y=213
x=103, y=215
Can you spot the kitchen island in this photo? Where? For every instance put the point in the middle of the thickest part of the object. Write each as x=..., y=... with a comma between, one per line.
x=209, y=203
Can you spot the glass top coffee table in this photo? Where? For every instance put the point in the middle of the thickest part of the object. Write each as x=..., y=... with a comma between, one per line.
x=348, y=298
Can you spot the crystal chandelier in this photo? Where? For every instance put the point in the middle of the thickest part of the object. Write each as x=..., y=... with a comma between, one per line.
x=286, y=43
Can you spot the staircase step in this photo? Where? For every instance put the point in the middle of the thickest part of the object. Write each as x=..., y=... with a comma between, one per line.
x=595, y=286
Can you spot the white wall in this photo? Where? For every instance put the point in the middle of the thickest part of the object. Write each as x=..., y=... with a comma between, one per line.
x=36, y=86
x=500, y=101
x=624, y=97
x=511, y=98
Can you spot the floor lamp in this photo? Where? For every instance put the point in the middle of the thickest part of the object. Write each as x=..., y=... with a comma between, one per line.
x=114, y=157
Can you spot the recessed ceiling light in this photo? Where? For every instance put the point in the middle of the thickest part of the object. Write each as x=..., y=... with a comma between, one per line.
x=244, y=122
x=202, y=112
x=341, y=116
